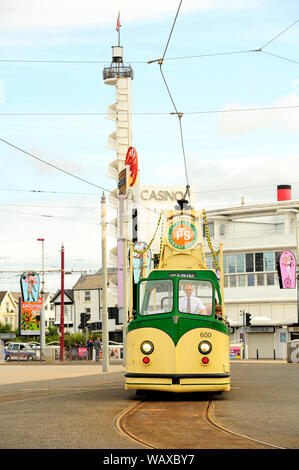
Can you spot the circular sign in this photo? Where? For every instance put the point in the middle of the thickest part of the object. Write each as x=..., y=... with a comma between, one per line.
x=132, y=161
x=182, y=235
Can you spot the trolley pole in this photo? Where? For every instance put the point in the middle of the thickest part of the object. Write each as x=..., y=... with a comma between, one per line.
x=105, y=332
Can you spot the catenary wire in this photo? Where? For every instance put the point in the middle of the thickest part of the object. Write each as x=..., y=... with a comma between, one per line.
x=211, y=111
x=278, y=35
x=180, y=115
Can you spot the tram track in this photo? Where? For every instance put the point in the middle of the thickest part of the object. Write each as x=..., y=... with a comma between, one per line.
x=181, y=425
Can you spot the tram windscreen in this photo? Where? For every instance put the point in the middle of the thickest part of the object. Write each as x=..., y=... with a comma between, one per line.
x=155, y=297
x=196, y=297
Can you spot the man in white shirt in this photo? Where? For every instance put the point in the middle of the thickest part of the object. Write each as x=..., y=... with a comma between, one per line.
x=191, y=304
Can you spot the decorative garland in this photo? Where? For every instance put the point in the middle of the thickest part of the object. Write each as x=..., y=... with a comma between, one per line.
x=141, y=252
x=214, y=254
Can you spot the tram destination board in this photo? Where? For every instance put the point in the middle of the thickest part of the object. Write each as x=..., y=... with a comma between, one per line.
x=186, y=275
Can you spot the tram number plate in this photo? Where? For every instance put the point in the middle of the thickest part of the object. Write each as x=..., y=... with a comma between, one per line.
x=205, y=334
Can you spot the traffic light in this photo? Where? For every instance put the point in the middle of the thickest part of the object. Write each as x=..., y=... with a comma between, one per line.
x=248, y=319
x=84, y=318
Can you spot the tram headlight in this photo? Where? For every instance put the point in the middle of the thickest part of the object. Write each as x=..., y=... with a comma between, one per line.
x=205, y=347
x=147, y=347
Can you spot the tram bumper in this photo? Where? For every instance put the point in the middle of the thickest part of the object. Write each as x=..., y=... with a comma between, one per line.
x=178, y=382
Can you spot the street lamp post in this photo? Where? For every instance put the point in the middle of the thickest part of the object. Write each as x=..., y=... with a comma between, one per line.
x=62, y=306
x=42, y=310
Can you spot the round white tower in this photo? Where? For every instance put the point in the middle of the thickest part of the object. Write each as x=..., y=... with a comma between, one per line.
x=120, y=76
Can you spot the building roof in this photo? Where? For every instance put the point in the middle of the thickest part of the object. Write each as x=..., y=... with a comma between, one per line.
x=91, y=281
x=2, y=294
x=68, y=292
x=260, y=209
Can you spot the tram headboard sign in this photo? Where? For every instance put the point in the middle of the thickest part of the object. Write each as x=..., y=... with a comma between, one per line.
x=182, y=235
x=287, y=266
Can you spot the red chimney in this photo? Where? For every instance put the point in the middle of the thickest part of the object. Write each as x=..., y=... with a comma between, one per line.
x=284, y=192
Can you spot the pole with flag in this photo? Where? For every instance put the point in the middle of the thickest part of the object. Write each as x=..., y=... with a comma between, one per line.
x=118, y=25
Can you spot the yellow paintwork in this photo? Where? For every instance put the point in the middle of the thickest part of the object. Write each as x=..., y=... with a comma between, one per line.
x=184, y=358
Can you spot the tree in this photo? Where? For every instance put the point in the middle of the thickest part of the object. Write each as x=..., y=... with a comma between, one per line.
x=53, y=334
x=7, y=328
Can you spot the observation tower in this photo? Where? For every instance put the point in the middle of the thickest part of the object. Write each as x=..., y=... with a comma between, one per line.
x=120, y=76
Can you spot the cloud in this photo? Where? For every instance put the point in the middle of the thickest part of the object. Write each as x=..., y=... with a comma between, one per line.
x=21, y=15
x=237, y=123
x=253, y=177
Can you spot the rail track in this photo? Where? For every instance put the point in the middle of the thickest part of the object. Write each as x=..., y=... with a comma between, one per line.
x=180, y=424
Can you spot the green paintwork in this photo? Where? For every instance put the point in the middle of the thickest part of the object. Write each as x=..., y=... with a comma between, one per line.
x=185, y=321
x=176, y=331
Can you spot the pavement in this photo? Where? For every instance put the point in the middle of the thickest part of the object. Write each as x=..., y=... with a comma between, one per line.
x=20, y=372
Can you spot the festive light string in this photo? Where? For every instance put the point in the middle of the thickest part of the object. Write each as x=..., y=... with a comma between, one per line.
x=140, y=252
x=161, y=241
x=214, y=254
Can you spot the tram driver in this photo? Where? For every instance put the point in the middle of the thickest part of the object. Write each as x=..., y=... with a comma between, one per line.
x=191, y=304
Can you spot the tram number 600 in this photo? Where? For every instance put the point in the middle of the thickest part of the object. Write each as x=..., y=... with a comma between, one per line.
x=205, y=334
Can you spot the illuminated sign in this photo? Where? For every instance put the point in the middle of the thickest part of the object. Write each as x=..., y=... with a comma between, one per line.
x=287, y=265
x=30, y=286
x=132, y=162
x=182, y=235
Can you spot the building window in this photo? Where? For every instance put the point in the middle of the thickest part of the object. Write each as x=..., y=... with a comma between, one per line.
x=87, y=296
x=240, y=258
x=270, y=279
x=251, y=280
x=259, y=261
x=249, y=262
x=231, y=261
x=242, y=280
x=269, y=260
x=256, y=265
x=222, y=229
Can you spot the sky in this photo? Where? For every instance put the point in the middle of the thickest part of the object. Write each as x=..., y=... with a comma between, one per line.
x=223, y=59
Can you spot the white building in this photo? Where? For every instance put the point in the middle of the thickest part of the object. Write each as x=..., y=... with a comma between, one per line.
x=253, y=237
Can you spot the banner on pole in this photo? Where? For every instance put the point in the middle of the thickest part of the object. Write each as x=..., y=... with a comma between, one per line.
x=30, y=317
x=30, y=283
x=287, y=266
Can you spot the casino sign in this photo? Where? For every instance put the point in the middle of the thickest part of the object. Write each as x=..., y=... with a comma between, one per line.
x=182, y=235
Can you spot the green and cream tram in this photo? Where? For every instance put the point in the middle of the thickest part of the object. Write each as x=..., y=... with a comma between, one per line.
x=179, y=338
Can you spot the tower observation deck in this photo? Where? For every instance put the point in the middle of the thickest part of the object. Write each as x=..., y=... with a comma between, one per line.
x=117, y=67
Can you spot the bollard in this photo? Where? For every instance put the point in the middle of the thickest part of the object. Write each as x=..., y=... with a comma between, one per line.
x=257, y=353
x=274, y=354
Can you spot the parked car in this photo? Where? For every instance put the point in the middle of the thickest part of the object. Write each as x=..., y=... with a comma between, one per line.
x=19, y=352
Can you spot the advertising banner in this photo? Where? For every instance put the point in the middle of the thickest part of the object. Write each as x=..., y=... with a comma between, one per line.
x=235, y=352
x=82, y=353
x=30, y=286
x=30, y=317
x=287, y=265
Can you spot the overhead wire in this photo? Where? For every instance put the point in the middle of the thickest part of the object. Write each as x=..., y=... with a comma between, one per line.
x=179, y=114
x=211, y=111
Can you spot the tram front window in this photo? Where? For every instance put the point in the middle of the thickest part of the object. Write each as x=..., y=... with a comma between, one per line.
x=155, y=297
x=195, y=297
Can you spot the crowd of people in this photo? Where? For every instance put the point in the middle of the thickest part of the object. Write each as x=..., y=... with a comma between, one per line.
x=85, y=350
